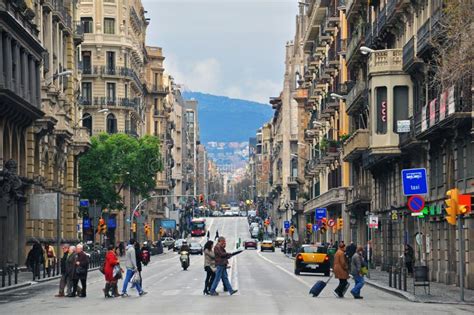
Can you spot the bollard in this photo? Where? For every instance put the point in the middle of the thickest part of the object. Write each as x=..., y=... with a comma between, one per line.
x=394, y=278
x=9, y=276
x=390, y=277
x=400, y=279
x=3, y=276
x=16, y=273
x=44, y=271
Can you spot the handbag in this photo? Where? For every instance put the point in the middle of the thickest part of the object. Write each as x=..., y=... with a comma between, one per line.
x=136, y=278
x=117, y=272
x=364, y=271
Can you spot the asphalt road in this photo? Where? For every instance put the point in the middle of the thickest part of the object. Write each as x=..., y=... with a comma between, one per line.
x=265, y=281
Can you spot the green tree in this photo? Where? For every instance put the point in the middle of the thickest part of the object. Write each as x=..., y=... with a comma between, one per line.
x=117, y=161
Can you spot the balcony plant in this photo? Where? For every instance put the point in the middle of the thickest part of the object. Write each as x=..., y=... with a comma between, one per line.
x=343, y=138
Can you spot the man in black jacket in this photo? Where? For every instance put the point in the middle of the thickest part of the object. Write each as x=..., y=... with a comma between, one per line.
x=63, y=281
x=80, y=272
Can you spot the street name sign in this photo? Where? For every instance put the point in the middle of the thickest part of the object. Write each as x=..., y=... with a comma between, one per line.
x=414, y=181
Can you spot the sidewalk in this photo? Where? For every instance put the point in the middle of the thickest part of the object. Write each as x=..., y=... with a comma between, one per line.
x=440, y=292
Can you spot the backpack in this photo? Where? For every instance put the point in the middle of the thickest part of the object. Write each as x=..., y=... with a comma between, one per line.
x=145, y=257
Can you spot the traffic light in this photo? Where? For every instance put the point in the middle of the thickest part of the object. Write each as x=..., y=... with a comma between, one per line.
x=162, y=231
x=339, y=223
x=292, y=230
x=465, y=204
x=309, y=228
x=147, y=229
x=452, y=209
x=134, y=227
x=323, y=228
x=102, y=227
x=201, y=198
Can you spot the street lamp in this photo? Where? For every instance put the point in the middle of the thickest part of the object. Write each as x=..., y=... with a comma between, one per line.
x=103, y=110
x=64, y=73
x=366, y=50
x=338, y=96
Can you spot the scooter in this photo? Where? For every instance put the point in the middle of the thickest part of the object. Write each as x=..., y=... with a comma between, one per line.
x=184, y=258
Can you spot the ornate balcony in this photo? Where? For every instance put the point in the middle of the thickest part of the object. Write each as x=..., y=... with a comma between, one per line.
x=386, y=61
x=355, y=145
x=358, y=195
x=410, y=61
x=356, y=95
x=331, y=197
x=354, y=43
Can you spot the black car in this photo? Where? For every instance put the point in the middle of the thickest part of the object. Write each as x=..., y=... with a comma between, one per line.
x=195, y=248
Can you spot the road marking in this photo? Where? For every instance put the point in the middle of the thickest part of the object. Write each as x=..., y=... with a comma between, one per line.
x=284, y=270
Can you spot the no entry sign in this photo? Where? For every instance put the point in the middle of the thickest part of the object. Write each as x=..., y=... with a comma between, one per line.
x=416, y=203
x=331, y=223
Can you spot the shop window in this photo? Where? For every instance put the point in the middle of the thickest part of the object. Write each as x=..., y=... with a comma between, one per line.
x=381, y=109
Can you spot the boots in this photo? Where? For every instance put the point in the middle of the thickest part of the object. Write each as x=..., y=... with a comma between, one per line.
x=115, y=291
x=106, y=290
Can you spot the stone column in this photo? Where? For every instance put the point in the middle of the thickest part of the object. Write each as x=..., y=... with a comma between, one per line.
x=26, y=79
x=32, y=79
x=37, y=82
x=17, y=59
x=8, y=62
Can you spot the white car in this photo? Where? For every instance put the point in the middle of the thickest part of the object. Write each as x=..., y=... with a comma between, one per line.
x=228, y=214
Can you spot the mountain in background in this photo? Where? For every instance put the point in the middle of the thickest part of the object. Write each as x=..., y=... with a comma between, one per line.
x=223, y=119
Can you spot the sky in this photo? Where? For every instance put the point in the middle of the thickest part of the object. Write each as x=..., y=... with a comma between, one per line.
x=234, y=48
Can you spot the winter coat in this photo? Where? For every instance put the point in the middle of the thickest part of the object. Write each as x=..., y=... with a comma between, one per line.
x=111, y=261
x=71, y=265
x=49, y=256
x=350, y=250
x=82, y=267
x=341, y=270
x=35, y=256
x=138, y=258
x=209, y=259
x=222, y=257
x=63, y=263
x=357, y=262
x=130, y=258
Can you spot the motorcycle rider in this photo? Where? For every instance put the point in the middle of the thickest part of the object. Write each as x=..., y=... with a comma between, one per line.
x=185, y=249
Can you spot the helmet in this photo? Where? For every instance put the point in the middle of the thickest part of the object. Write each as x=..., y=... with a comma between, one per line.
x=185, y=243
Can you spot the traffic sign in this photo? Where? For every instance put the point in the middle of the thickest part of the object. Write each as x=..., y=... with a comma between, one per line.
x=84, y=203
x=315, y=227
x=320, y=213
x=416, y=203
x=331, y=222
x=414, y=181
x=373, y=222
x=287, y=224
x=86, y=223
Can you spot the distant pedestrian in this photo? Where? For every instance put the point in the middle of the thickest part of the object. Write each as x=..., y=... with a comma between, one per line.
x=131, y=265
x=145, y=252
x=409, y=254
x=80, y=272
x=111, y=260
x=208, y=235
x=217, y=235
x=341, y=271
x=357, y=262
x=49, y=258
x=35, y=259
x=121, y=248
x=70, y=269
x=209, y=266
x=63, y=281
x=221, y=264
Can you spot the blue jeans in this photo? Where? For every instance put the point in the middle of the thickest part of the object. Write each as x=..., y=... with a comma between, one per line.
x=359, y=283
x=221, y=273
x=128, y=277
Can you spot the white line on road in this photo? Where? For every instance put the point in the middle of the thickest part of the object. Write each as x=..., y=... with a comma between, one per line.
x=284, y=270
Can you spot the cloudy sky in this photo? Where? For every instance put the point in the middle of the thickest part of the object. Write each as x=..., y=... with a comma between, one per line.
x=234, y=48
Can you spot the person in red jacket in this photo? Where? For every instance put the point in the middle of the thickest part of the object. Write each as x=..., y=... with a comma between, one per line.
x=111, y=261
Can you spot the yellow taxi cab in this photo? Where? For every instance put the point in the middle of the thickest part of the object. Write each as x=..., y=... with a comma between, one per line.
x=312, y=258
x=267, y=245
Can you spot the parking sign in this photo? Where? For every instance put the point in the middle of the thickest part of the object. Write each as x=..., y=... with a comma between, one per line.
x=287, y=224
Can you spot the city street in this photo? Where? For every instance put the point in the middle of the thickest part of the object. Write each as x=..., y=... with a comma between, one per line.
x=265, y=281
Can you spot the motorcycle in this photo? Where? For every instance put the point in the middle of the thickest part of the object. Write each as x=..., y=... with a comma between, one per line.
x=184, y=258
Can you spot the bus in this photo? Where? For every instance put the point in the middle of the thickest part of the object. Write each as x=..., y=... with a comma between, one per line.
x=198, y=227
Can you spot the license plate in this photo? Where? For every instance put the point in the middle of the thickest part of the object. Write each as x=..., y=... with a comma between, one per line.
x=313, y=266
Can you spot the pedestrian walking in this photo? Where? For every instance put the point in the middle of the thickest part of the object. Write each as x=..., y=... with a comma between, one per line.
x=111, y=260
x=139, y=260
x=70, y=270
x=131, y=265
x=409, y=254
x=35, y=259
x=208, y=235
x=209, y=266
x=49, y=258
x=357, y=263
x=341, y=271
x=80, y=272
x=222, y=260
x=217, y=235
x=121, y=249
x=63, y=281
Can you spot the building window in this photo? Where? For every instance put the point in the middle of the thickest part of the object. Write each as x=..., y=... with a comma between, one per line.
x=86, y=62
x=87, y=93
x=109, y=26
x=382, y=109
x=87, y=24
x=87, y=122
x=110, y=62
x=111, y=94
x=111, y=123
x=400, y=105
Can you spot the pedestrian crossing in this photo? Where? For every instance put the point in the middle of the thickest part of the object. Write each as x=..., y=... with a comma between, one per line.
x=254, y=293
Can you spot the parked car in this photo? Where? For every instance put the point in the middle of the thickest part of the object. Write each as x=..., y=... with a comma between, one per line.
x=311, y=258
x=252, y=243
x=178, y=244
x=254, y=232
x=267, y=245
x=195, y=248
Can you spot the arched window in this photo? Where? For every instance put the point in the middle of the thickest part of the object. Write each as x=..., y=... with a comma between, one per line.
x=111, y=123
x=87, y=122
x=294, y=167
